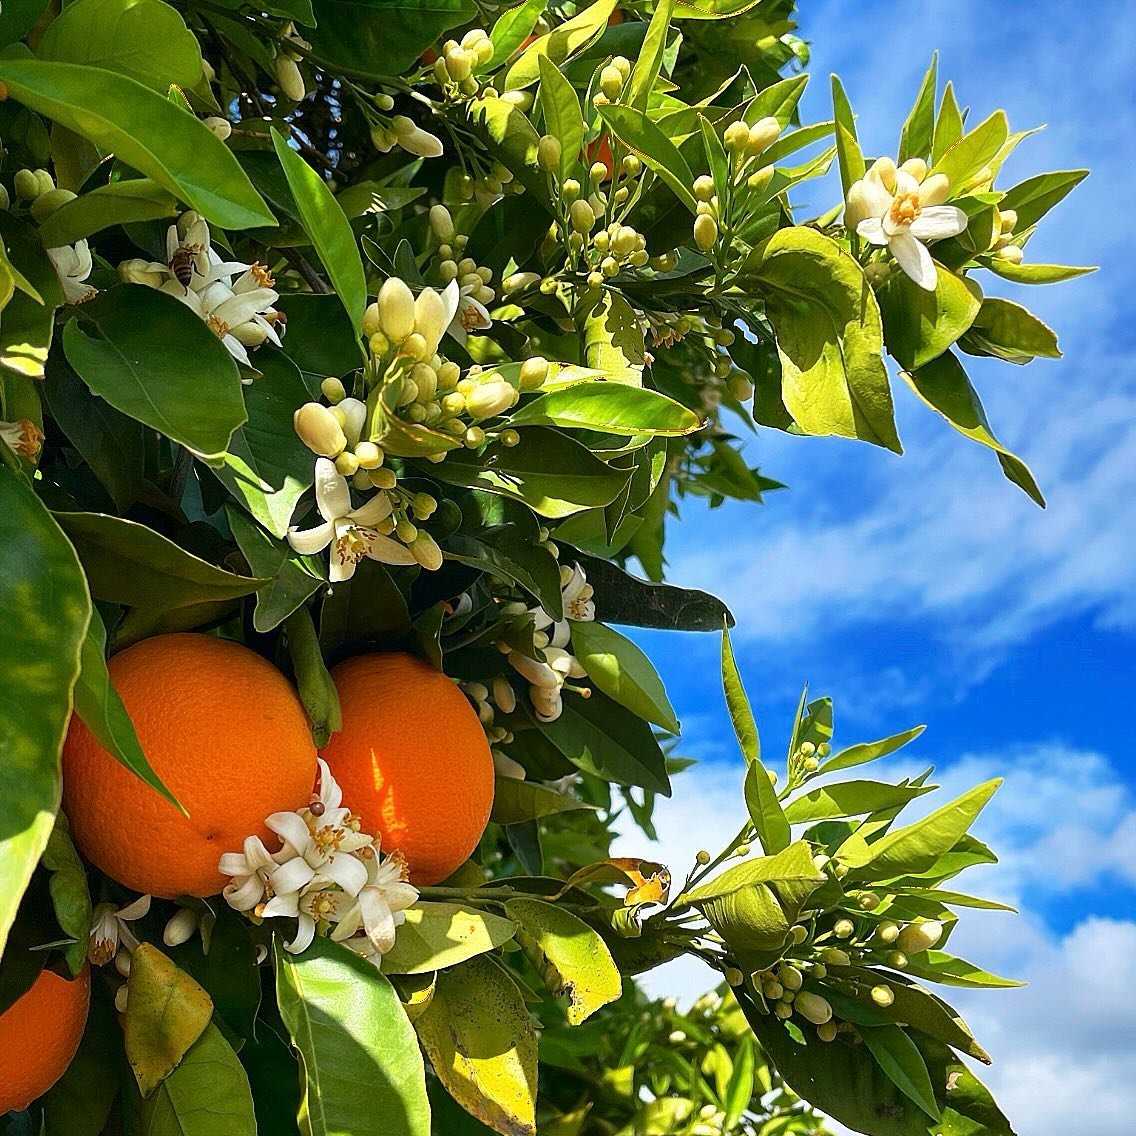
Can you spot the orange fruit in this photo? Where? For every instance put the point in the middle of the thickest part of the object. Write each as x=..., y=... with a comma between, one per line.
x=412, y=760
x=39, y=1034
x=226, y=733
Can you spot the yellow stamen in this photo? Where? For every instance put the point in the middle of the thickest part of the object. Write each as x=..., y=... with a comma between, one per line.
x=217, y=326
x=262, y=276
x=905, y=209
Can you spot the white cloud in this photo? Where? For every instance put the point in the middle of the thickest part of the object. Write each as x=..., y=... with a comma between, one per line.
x=1064, y=1047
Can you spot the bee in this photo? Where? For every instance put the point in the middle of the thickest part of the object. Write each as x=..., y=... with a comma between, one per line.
x=183, y=263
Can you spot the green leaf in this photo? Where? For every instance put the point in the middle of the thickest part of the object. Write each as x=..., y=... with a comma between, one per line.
x=737, y=703
x=915, y=136
x=291, y=577
x=641, y=136
x=851, y=798
x=510, y=138
x=482, y=1045
x=118, y=203
x=869, y=751
x=330, y=231
x=938, y=966
x=166, y=1012
x=1007, y=331
x=1033, y=198
x=316, y=687
x=848, y=153
x=145, y=131
x=560, y=44
x=829, y=338
x=1035, y=273
x=919, y=845
x=569, y=956
x=920, y=325
x=119, y=343
x=17, y=17
x=381, y=40
x=897, y=1056
x=27, y=325
x=769, y=819
x=612, y=337
x=741, y=1086
x=97, y=703
x=70, y=897
x=944, y=386
x=604, y=739
x=610, y=408
x=207, y=1095
x=439, y=935
x=547, y=470
x=948, y=124
x=128, y=563
x=517, y=802
x=362, y=1072
x=716, y=157
x=506, y=551
x=145, y=40
x=650, y=58
x=973, y=151
x=512, y=28
x=623, y=672
x=44, y=612
x=779, y=101
x=562, y=117
x=267, y=467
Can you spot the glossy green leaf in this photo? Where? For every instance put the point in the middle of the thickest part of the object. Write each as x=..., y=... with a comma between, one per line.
x=267, y=467
x=481, y=1043
x=945, y=387
x=948, y=124
x=1035, y=273
x=650, y=58
x=610, y=408
x=848, y=153
x=166, y=1012
x=145, y=131
x=850, y=798
x=897, y=1056
x=208, y=1094
x=510, y=138
x=17, y=17
x=1007, y=331
x=145, y=40
x=362, y=1072
x=569, y=956
x=117, y=203
x=439, y=935
x=919, y=845
x=128, y=563
x=938, y=966
x=70, y=897
x=973, y=150
x=779, y=100
x=564, y=41
x=313, y=680
x=623, y=672
x=716, y=157
x=102, y=711
x=516, y=802
x=740, y=1089
x=920, y=325
x=869, y=751
x=329, y=229
x=919, y=127
x=765, y=811
x=612, y=337
x=1033, y=198
x=562, y=117
x=829, y=338
x=291, y=577
x=641, y=136
x=514, y=25
x=27, y=325
x=737, y=703
x=507, y=552
x=119, y=343
x=44, y=612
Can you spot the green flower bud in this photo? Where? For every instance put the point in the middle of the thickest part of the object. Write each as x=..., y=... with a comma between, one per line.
x=369, y=455
x=48, y=203
x=762, y=134
x=703, y=187
x=917, y=937
x=333, y=389
x=595, y=279
x=705, y=232
x=844, y=928
x=289, y=79
x=834, y=956
x=26, y=185
x=384, y=478
x=611, y=81
x=534, y=372
x=888, y=931
x=473, y=437
x=609, y=266
x=827, y=1031
x=5, y=199
x=818, y=970
x=798, y=934
x=581, y=216
x=448, y=375
x=897, y=960
x=824, y=749
x=598, y=173
x=570, y=189
x=347, y=464
x=736, y=136
x=702, y=857
x=759, y=180
x=813, y=1008
x=424, y=548
x=772, y=990
x=790, y=977
x=624, y=242
x=406, y=531
x=425, y=379
x=877, y=273
x=1008, y=254
x=548, y=153
x=441, y=222
x=631, y=166
x=882, y=995
x=45, y=181
x=868, y=901
x=319, y=430
x=383, y=101
x=722, y=367
x=509, y=438
x=783, y=1010
x=740, y=387
x=733, y=976
x=742, y=850
x=484, y=49
x=490, y=399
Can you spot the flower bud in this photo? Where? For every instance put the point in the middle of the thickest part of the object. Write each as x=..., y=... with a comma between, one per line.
x=798, y=934
x=705, y=232
x=877, y=273
x=289, y=79
x=897, y=960
x=625, y=240
x=813, y=1008
x=631, y=165
x=548, y=152
x=611, y=81
x=333, y=389
x=136, y=271
x=430, y=318
x=936, y=189
x=834, y=956
x=484, y=49
x=48, y=203
x=736, y=136
x=916, y=937
x=505, y=766
x=5, y=199
x=598, y=173
x=1010, y=254
x=1007, y=218
x=347, y=464
x=369, y=455
x=533, y=373
x=424, y=548
x=422, y=143
x=844, y=928
x=762, y=134
x=45, y=181
x=887, y=932
x=441, y=222
x=581, y=216
x=221, y=127
x=26, y=185
x=789, y=977
x=396, y=309
x=383, y=101
x=759, y=180
x=827, y=1031
x=783, y=1010
x=740, y=387
x=459, y=63
x=882, y=995
x=772, y=990
x=916, y=167
x=733, y=976
x=490, y=399
x=703, y=187
x=351, y=413
x=180, y=928
x=319, y=430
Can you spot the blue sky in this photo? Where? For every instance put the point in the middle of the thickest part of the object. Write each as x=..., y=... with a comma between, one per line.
x=928, y=589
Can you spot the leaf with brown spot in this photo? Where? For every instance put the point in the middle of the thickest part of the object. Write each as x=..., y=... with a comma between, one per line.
x=647, y=881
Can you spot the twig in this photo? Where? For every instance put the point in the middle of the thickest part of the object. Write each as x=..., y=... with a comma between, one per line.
x=311, y=277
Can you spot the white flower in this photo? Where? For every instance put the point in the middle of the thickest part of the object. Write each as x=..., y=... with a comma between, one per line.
x=381, y=905
x=904, y=217
x=73, y=265
x=464, y=313
x=109, y=929
x=318, y=903
x=225, y=311
x=249, y=871
x=579, y=607
x=24, y=438
x=350, y=532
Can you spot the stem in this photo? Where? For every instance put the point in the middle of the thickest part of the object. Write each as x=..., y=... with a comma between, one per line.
x=312, y=278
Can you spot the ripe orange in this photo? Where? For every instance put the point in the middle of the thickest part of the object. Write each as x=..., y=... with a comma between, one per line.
x=412, y=760
x=39, y=1034
x=224, y=730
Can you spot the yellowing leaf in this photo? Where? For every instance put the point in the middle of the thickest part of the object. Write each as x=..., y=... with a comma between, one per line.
x=437, y=935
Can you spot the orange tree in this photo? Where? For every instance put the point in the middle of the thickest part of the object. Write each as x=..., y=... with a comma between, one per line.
x=351, y=357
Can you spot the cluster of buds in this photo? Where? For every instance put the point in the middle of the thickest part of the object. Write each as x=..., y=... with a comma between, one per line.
x=613, y=78
x=287, y=64
x=456, y=64
x=1003, y=247
x=550, y=665
x=713, y=373
x=499, y=695
x=473, y=279
x=404, y=132
x=328, y=875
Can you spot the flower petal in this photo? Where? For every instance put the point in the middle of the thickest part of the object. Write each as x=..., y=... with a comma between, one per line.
x=345, y=870
x=377, y=918
x=388, y=551
x=937, y=222
x=135, y=910
x=915, y=260
x=305, y=933
x=333, y=498
x=872, y=229
x=282, y=906
x=307, y=542
x=292, y=830
x=376, y=509
x=244, y=895
x=291, y=876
